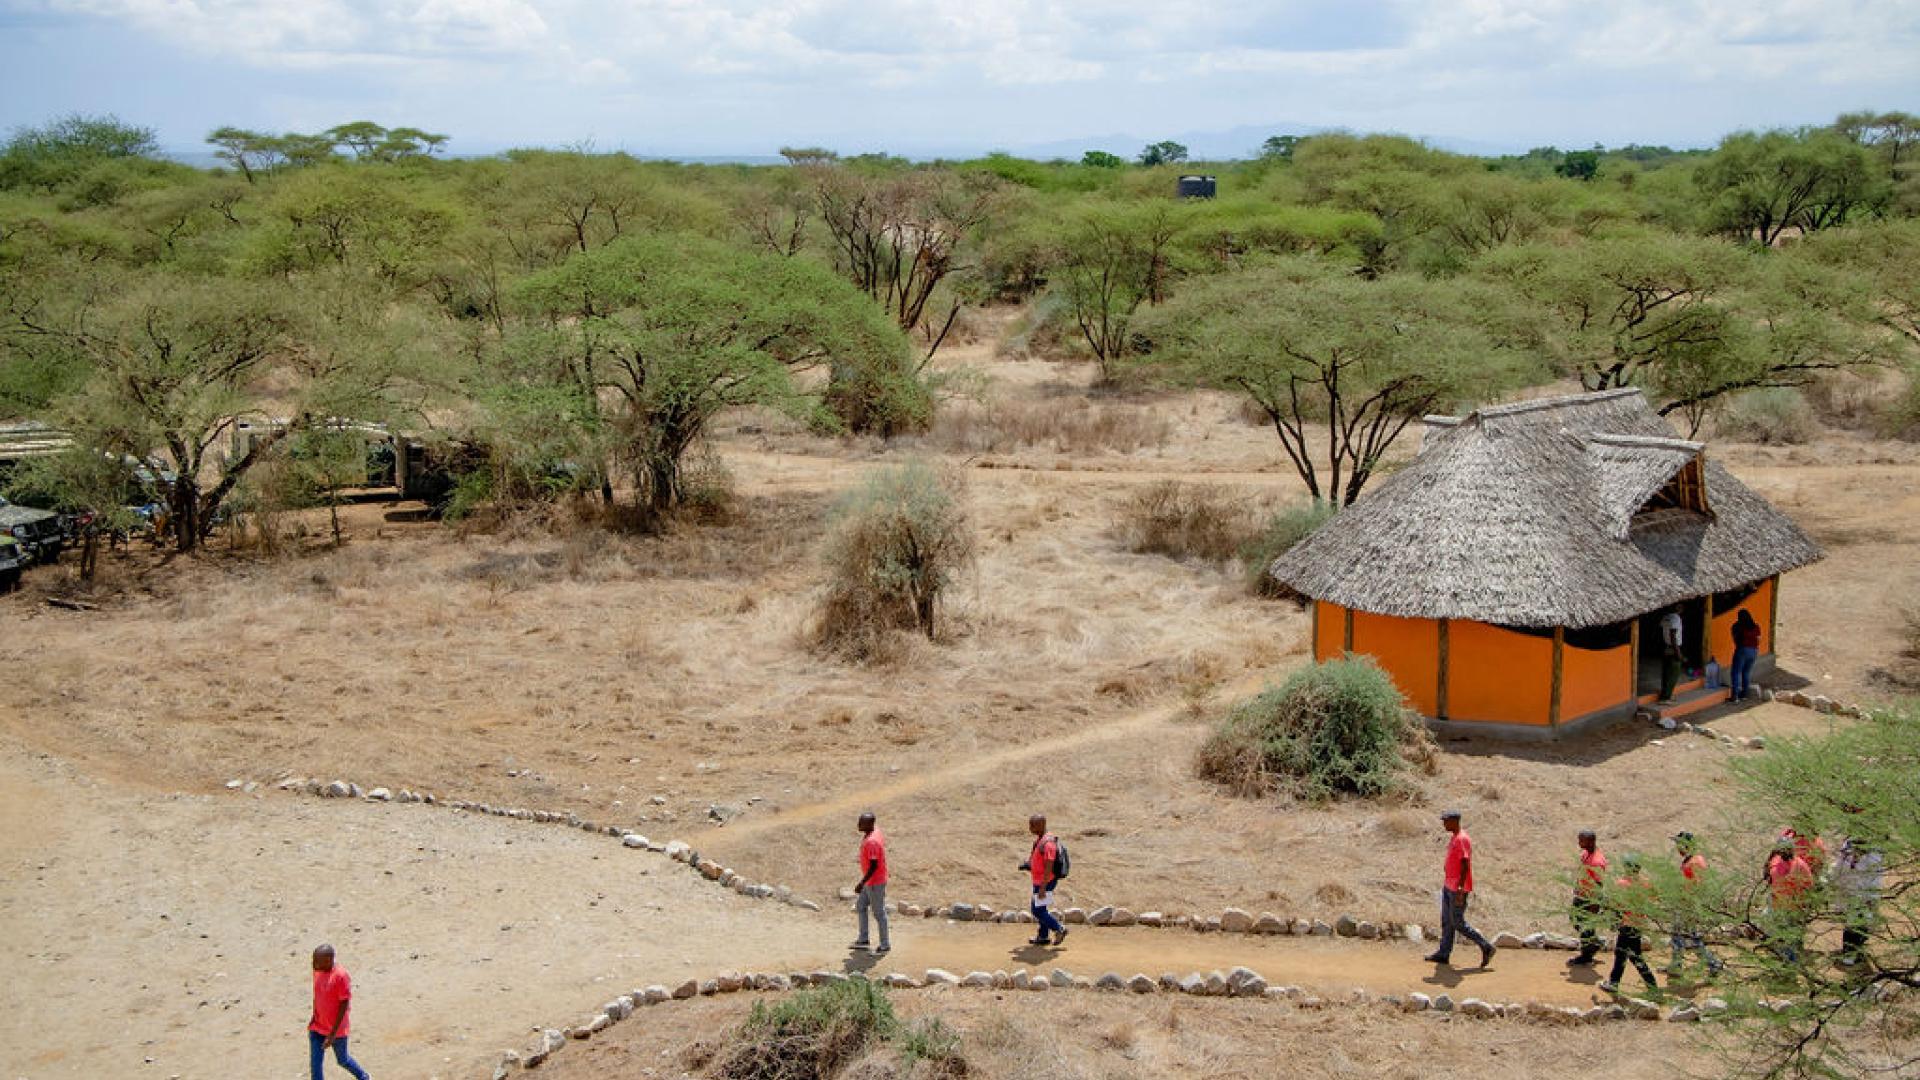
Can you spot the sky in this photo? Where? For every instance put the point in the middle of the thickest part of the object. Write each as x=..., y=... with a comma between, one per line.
x=924, y=77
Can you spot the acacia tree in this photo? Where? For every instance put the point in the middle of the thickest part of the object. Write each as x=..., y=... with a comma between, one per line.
x=1762, y=184
x=1114, y=261
x=900, y=239
x=1310, y=347
x=660, y=334
x=1693, y=320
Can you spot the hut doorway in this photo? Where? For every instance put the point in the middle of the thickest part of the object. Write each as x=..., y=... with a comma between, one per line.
x=1693, y=635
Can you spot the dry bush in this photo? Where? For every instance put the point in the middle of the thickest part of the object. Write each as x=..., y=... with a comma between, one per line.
x=895, y=545
x=1073, y=425
x=1185, y=521
x=1845, y=399
x=1338, y=728
x=1777, y=416
x=847, y=1029
x=1282, y=531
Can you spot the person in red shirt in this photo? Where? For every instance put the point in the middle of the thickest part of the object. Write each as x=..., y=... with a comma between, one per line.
x=1456, y=886
x=332, y=993
x=1687, y=936
x=1808, y=845
x=1040, y=866
x=1586, y=897
x=1632, y=899
x=871, y=892
x=1790, y=884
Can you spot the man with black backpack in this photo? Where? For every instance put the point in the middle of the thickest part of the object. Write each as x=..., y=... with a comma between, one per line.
x=1047, y=863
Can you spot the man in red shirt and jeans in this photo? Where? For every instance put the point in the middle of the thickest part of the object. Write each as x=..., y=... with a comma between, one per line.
x=872, y=890
x=1040, y=867
x=1456, y=887
x=332, y=993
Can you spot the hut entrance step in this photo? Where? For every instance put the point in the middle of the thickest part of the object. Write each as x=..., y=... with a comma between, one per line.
x=1687, y=701
x=1680, y=691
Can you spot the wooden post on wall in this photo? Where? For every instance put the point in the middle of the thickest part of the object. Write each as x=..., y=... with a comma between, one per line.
x=1440, y=694
x=1313, y=640
x=1773, y=614
x=1346, y=633
x=1706, y=637
x=1633, y=661
x=1559, y=647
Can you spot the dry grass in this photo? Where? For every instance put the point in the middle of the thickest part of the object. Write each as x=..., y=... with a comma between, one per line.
x=1072, y=425
x=1201, y=521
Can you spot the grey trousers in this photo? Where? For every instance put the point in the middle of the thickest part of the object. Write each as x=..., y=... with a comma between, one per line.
x=873, y=897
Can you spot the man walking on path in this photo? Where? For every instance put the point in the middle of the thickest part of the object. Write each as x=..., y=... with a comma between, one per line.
x=1671, y=639
x=1859, y=874
x=1631, y=900
x=1456, y=887
x=1790, y=882
x=332, y=993
x=1687, y=936
x=1041, y=866
x=871, y=893
x=1586, y=897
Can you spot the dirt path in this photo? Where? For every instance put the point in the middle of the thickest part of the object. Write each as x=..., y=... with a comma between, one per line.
x=734, y=835
x=168, y=934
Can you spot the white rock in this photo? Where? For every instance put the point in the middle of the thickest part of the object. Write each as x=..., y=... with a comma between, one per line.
x=1477, y=1009
x=633, y=840
x=1418, y=1002
x=939, y=977
x=1443, y=1003
x=1235, y=921
x=1193, y=984
x=381, y=794
x=1060, y=977
x=1110, y=981
x=1100, y=916
x=978, y=978
x=1142, y=984
x=1685, y=1014
x=233, y=785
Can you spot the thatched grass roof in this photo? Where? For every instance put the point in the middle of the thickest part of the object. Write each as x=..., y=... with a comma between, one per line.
x=1537, y=514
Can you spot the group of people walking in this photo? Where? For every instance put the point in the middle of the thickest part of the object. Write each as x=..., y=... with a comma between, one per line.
x=1797, y=863
x=1045, y=865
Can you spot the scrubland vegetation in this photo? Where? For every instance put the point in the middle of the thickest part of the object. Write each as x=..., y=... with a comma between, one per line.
x=566, y=325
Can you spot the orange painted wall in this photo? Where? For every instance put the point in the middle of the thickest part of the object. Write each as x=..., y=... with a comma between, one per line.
x=1332, y=634
x=1406, y=649
x=1593, y=679
x=1720, y=641
x=1497, y=675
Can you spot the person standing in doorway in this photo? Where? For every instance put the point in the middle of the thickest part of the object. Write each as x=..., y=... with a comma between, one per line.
x=1672, y=637
x=1687, y=935
x=1455, y=889
x=1586, y=897
x=1746, y=650
x=1631, y=900
x=1042, y=869
x=871, y=894
x=332, y=993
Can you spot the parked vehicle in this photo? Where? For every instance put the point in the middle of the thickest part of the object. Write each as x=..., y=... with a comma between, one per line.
x=39, y=532
x=13, y=560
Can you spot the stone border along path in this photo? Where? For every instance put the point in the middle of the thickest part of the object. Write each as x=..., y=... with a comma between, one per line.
x=1231, y=921
x=1240, y=982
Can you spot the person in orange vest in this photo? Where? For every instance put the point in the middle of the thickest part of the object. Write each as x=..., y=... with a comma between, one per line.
x=1632, y=899
x=1790, y=881
x=1586, y=897
x=1687, y=936
x=1456, y=887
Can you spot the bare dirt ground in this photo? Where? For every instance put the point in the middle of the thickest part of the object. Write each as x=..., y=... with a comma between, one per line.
x=1099, y=1037
x=597, y=673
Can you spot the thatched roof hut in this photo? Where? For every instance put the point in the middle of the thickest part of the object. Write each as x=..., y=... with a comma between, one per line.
x=1572, y=513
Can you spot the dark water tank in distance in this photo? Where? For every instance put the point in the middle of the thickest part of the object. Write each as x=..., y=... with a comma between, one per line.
x=1196, y=187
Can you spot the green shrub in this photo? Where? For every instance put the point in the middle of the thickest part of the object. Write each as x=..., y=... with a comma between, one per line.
x=894, y=546
x=1184, y=520
x=1776, y=416
x=1336, y=728
x=1284, y=529
x=809, y=1035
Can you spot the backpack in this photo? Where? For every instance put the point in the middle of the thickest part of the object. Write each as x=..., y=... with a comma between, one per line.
x=1059, y=859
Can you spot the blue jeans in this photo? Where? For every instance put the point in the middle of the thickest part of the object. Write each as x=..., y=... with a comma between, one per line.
x=317, y=1043
x=1453, y=919
x=1743, y=659
x=1049, y=923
